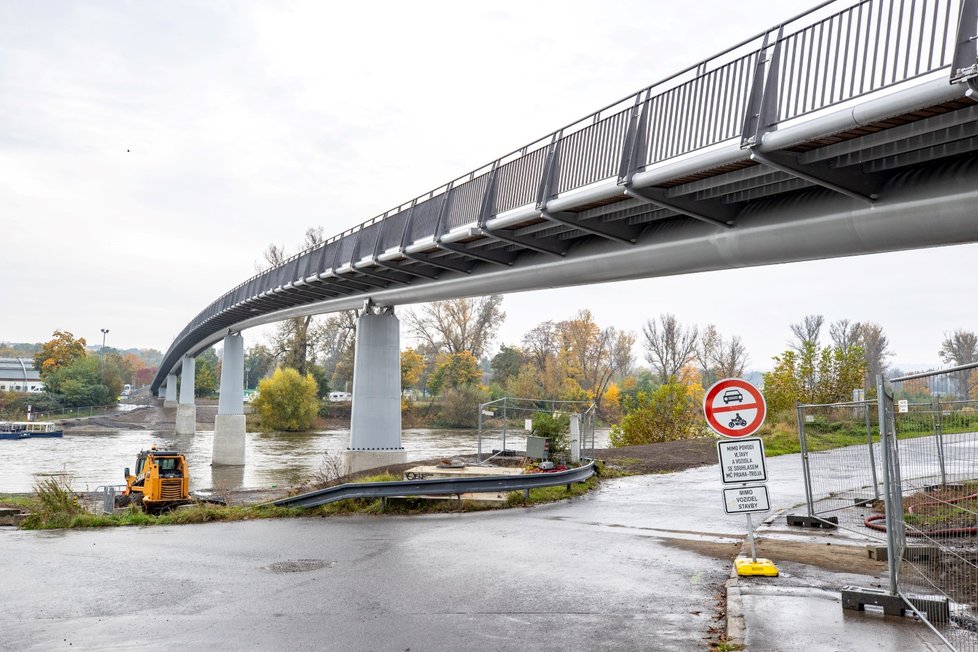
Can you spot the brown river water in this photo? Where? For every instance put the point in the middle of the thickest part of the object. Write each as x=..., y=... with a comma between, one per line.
x=94, y=459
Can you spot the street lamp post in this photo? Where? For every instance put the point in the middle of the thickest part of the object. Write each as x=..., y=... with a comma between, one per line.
x=101, y=353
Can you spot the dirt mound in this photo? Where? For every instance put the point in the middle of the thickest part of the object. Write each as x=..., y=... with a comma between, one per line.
x=662, y=457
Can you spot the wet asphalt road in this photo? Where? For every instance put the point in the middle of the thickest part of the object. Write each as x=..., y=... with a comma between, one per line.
x=608, y=571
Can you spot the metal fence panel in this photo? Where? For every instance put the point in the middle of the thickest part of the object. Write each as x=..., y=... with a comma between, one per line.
x=841, y=459
x=935, y=423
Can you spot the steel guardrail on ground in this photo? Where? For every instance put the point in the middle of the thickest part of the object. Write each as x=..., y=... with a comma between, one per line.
x=442, y=487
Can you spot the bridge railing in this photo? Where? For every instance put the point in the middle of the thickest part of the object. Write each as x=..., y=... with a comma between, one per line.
x=834, y=53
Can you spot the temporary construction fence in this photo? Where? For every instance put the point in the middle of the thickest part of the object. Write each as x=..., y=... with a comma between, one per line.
x=911, y=485
x=503, y=431
x=841, y=464
x=931, y=518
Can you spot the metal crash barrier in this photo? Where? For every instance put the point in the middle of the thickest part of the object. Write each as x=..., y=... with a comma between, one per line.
x=436, y=487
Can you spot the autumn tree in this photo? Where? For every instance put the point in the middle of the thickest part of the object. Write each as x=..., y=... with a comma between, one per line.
x=807, y=332
x=79, y=384
x=540, y=343
x=258, y=363
x=412, y=365
x=669, y=345
x=594, y=356
x=961, y=348
x=458, y=325
x=287, y=401
x=507, y=363
x=336, y=346
x=845, y=334
x=62, y=350
x=455, y=370
x=876, y=350
x=719, y=358
x=813, y=375
x=206, y=374
x=782, y=385
x=293, y=339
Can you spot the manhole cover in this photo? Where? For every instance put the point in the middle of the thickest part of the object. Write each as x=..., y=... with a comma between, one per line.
x=300, y=565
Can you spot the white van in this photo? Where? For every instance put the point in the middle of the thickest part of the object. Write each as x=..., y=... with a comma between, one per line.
x=340, y=397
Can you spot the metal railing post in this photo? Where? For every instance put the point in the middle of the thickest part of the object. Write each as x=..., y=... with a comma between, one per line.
x=892, y=562
x=872, y=454
x=939, y=433
x=505, y=424
x=478, y=456
x=806, y=471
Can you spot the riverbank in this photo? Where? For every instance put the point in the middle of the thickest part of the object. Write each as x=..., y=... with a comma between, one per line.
x=661, y=457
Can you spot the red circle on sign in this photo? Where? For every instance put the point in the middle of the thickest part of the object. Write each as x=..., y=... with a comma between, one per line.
x=732, y=396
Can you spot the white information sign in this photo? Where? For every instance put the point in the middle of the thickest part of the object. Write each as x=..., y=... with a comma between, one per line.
x=903, y=405
x=746, y=500
x=742, y=460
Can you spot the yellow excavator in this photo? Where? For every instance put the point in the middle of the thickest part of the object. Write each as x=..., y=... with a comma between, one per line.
x=161, y=482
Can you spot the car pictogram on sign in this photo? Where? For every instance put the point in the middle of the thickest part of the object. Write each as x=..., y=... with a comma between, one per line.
x=733, y=396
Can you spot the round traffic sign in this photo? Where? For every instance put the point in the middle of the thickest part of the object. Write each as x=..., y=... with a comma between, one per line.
x=734, y=408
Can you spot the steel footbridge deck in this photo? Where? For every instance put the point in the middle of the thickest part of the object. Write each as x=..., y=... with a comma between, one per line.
x=850, y=129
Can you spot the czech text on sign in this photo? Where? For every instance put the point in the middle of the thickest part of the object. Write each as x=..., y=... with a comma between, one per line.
x=742, y=460
x=745, y=500
x=734, y=408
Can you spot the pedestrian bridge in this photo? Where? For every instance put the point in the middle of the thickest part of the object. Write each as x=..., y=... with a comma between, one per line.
x=850, y=129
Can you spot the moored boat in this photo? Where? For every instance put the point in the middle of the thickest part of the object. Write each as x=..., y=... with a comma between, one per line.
x=29, y=429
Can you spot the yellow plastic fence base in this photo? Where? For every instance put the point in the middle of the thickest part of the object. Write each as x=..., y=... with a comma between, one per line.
x=763, y=567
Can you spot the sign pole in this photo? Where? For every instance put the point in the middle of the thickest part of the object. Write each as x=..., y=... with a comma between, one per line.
x=750, y=535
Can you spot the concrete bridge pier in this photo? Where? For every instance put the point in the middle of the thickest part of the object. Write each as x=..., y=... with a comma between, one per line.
x=186, y=409
x=229, y=425
x=171, y=391
x=375, y=422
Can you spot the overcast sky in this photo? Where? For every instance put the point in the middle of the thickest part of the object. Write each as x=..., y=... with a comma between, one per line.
x=150, y=151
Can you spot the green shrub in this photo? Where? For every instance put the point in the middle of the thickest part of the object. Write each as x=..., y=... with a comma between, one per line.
x=287, y=401
x=556, y=428
x=665, y=414
x=460, y=407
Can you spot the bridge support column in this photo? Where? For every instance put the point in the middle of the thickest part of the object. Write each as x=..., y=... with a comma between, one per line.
x=375, y=422
x=186, y=409
x=229, y=425
x=171, y=391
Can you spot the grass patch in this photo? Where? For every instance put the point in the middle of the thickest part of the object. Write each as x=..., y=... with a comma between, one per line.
x=550, y=494
x=53, y=507
x=16, y=501
x=200, y=513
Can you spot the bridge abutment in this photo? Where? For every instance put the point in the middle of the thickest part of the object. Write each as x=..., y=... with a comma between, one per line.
x=229, y=424
x=171, y=391
x=375, y=422
x=186, y=409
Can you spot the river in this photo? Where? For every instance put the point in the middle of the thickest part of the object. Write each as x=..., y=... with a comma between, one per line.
x=93, y=459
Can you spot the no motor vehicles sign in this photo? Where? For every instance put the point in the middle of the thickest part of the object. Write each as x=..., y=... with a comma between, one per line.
x=734, y=408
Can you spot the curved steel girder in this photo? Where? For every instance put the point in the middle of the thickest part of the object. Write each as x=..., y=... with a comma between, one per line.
x=412, y=271
x=611, y=230
x=442, y=263
x=485, y=255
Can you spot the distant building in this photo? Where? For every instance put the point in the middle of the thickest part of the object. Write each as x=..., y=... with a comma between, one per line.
x=19, y=375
